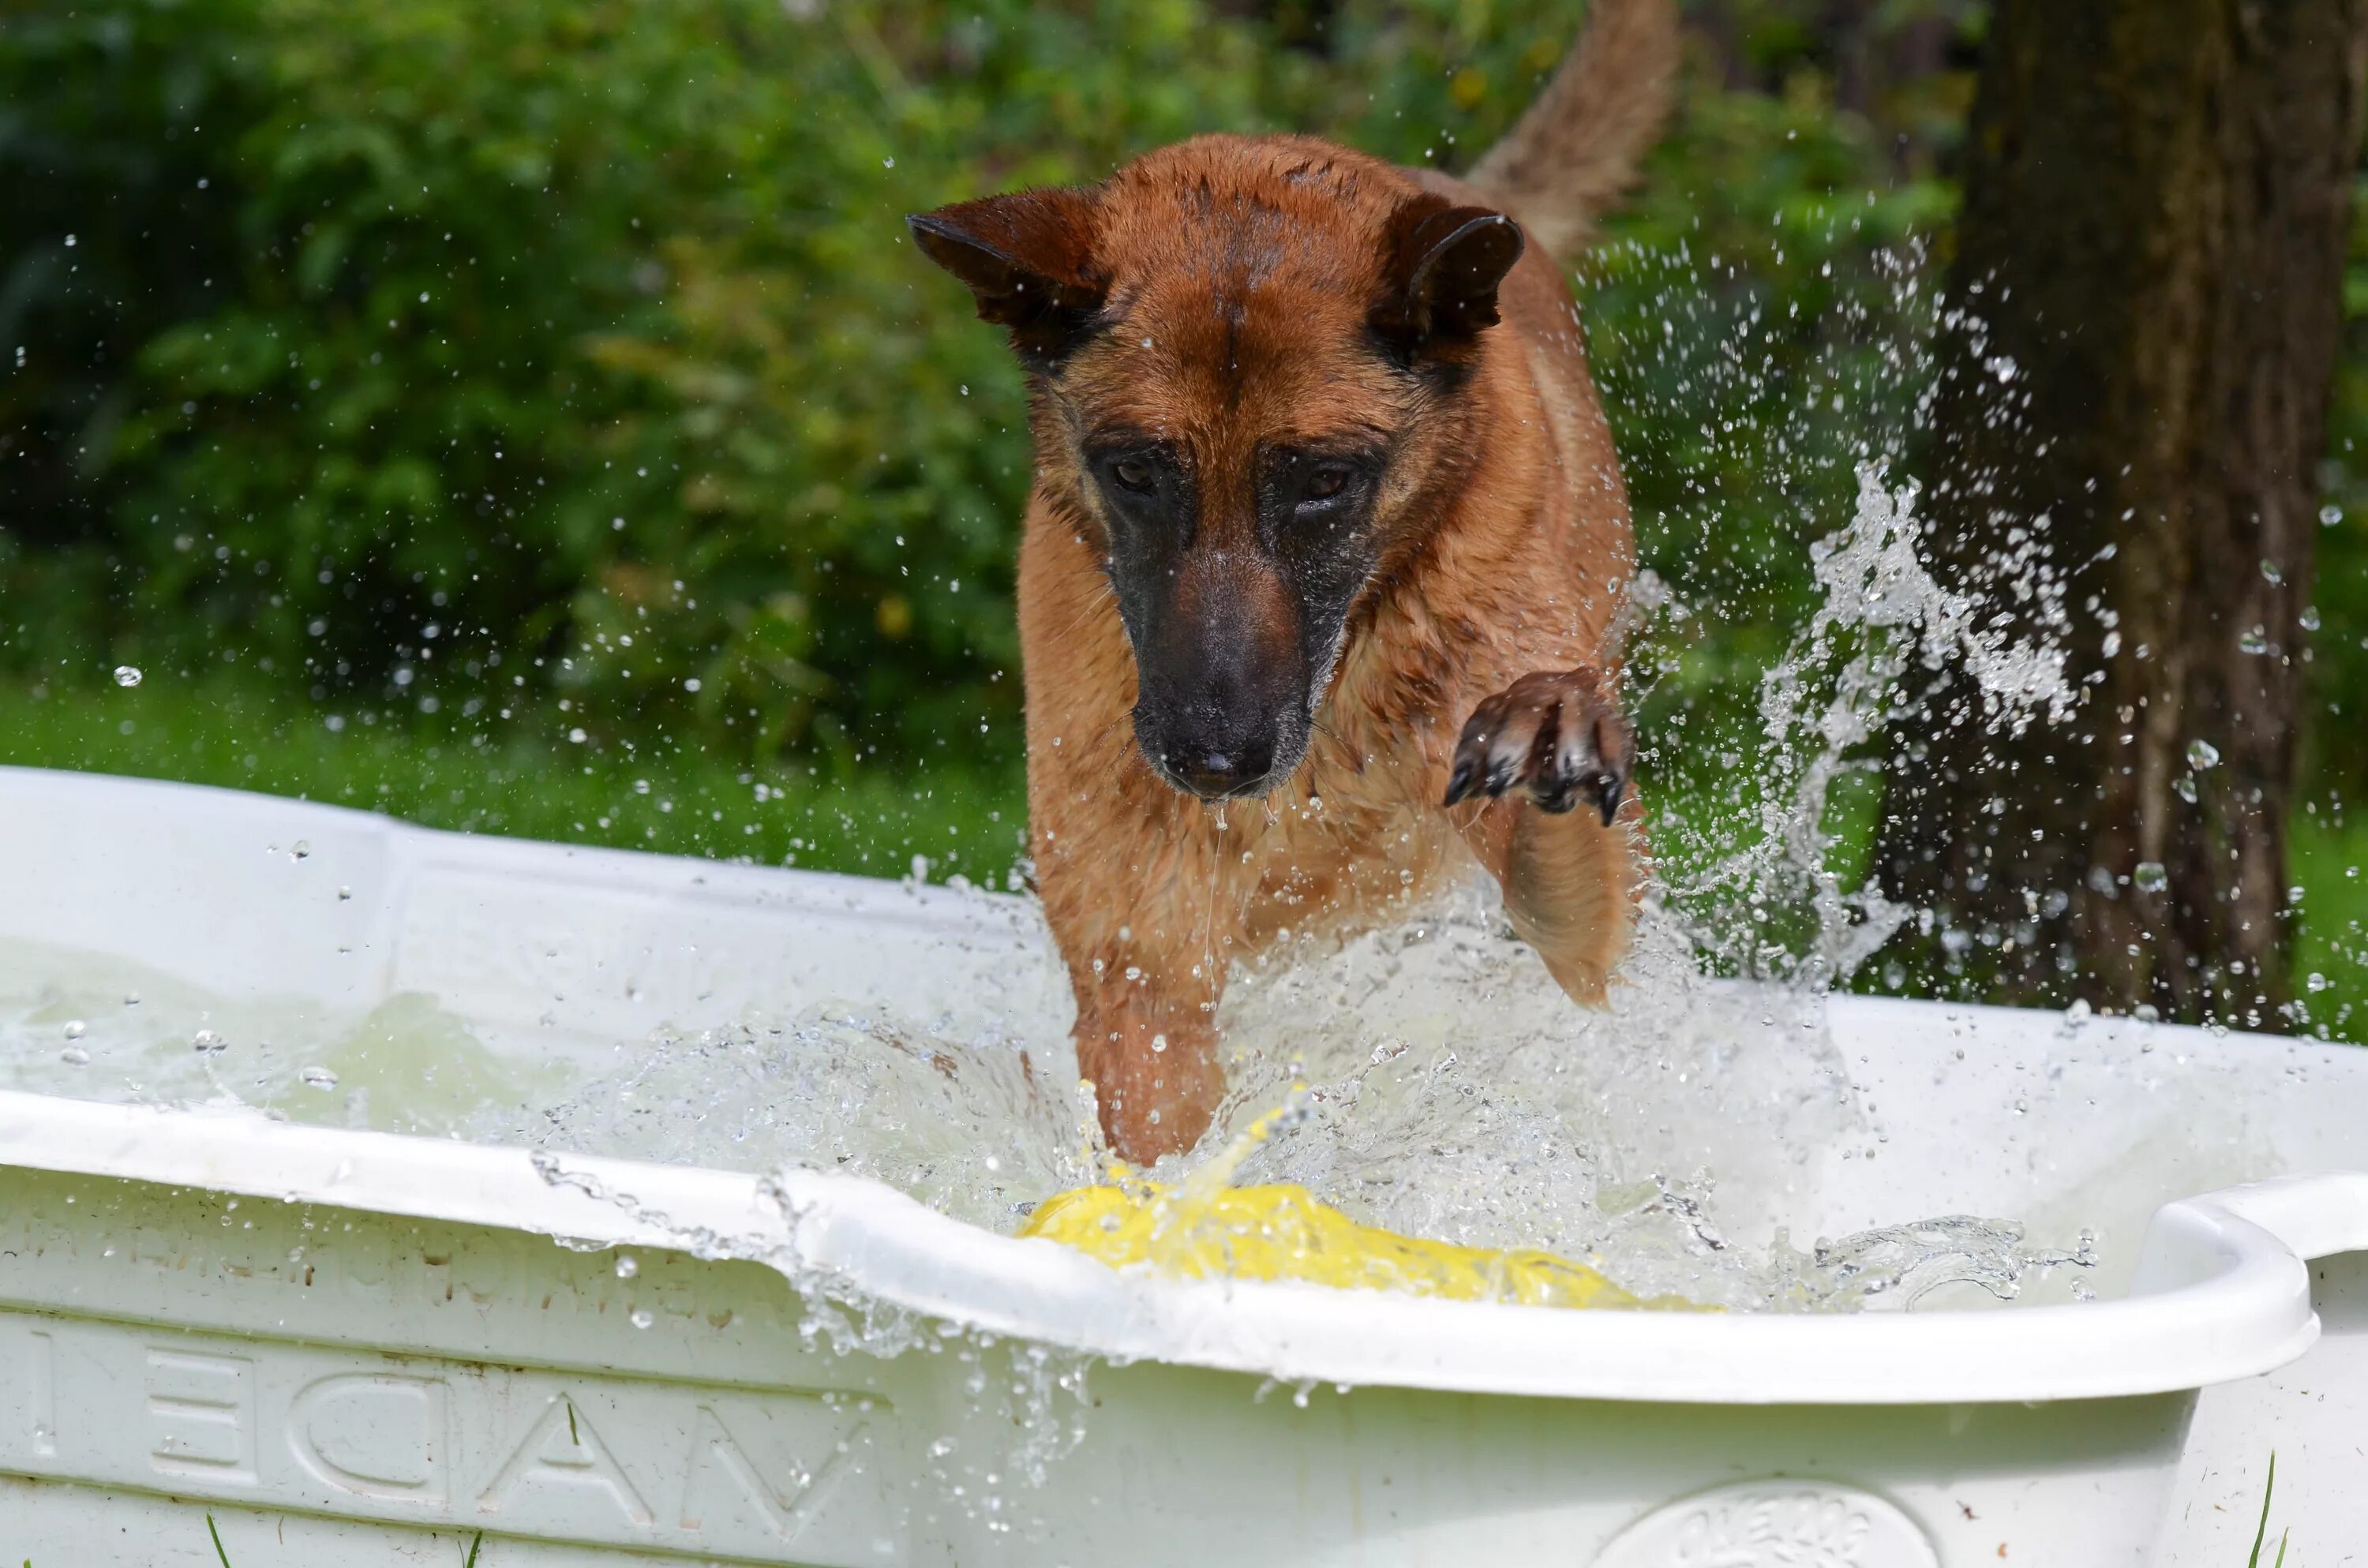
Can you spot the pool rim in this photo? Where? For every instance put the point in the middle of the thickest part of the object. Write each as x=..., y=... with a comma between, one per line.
x=2221, y=1296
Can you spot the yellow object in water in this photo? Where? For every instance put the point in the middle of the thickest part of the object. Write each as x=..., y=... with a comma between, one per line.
x=1282, y=1232
x=1206, y=1229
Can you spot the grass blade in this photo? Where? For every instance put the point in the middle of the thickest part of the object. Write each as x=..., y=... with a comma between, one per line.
x=2262, y=1532
x=471, y=1560
x=218, y=1545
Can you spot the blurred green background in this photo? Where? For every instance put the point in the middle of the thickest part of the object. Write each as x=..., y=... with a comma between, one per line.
x=531, y=417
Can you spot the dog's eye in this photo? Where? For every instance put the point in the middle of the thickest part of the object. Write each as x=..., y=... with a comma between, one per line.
x=1132, y=472
x=1325, y=482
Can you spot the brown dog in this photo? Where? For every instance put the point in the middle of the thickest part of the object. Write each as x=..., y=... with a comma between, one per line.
x=1318, y=584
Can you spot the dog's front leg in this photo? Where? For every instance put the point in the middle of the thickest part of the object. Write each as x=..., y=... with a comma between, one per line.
x=1147, y=1039
x=1550, y=742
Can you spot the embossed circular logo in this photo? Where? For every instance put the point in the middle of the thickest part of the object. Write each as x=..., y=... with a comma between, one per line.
x=1773, y=1524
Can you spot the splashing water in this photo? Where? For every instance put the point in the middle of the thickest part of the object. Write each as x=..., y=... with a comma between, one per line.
x=1833, y=695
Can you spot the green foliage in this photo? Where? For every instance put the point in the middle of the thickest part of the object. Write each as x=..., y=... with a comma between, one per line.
x=580, y=331
x=2330, y=952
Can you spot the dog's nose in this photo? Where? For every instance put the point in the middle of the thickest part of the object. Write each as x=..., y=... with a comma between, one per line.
x=1214, y=773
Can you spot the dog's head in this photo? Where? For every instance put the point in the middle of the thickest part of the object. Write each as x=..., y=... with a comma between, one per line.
x=1249, y=358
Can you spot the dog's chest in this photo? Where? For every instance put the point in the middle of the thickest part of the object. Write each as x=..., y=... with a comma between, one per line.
x=1335, y=855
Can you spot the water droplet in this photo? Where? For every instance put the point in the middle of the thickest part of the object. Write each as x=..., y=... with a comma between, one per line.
x=2184, y=788
x=345, y=894
x=302, y=850
x=1160, y=1042
x=2253, y=639
x=641, y=1317
x=319, y=1078
x=2150, y=877
x=207, y=1040
x=941, y=1448
x=578, y=736
x=628, y=1266
x=2330, y=515
x=2271, y=573
x=132, y=998
x=2310, y=621
x=74, y=1028
x=73, y=1056
x=127, y=674
x=2316, y=981
x=2203, y=754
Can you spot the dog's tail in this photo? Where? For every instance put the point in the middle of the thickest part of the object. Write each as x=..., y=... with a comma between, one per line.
x=1575, y=152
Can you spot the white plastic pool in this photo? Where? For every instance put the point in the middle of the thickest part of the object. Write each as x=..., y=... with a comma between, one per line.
x=365, y=1349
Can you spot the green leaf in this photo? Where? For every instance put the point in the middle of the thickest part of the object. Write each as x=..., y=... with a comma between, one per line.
x=2260, y=1532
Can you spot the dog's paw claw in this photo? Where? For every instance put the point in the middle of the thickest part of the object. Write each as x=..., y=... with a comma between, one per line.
x=1552, y=735
x=1610, y=788
x=1459, y=782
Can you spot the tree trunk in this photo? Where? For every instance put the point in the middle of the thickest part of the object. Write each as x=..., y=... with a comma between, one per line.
x=2145, y=305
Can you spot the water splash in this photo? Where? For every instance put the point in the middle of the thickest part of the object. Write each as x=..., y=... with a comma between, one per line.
x=977, y=1122
x=1823, y=710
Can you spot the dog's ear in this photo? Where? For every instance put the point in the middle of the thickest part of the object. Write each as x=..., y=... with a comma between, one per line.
x=1443, y=266
x=1029, y=259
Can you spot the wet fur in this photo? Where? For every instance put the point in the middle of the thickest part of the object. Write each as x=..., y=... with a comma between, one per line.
x=1234, y=296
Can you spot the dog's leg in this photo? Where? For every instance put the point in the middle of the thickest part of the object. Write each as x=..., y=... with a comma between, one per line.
x=1549, y=744
x=1149, y=1044
x=1147, y=960
x=1144, y=910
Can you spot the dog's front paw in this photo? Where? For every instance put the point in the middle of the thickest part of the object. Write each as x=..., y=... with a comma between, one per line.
x=1552, y=735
